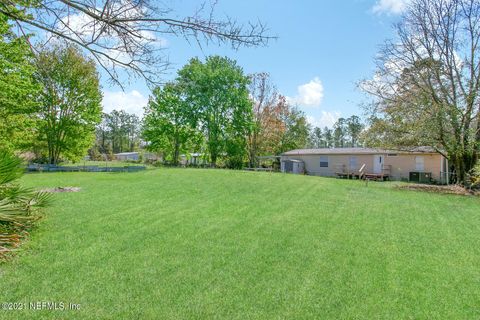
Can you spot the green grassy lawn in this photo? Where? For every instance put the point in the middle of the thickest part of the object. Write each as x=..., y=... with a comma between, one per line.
x=201, y=244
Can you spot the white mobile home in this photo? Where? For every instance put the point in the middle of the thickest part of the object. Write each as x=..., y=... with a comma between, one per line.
x=418, y=164
x=127, y=156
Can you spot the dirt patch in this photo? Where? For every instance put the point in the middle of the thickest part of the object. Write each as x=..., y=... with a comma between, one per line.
x=62, y=189
x=451, y=189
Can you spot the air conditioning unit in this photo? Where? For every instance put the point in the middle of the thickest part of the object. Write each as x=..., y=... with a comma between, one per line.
x=420, y=177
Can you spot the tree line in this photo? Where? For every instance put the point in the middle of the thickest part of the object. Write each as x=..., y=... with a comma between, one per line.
x=118, y=131
x=346, y=132
x=213, y=108
x=210, y=108
x=50, y=95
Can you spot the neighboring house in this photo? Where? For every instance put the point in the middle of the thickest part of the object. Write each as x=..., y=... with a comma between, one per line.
x=194, y=159
x=421, y=163
x=127, y=156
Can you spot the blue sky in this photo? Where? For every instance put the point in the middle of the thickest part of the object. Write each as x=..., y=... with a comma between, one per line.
x=323, y=49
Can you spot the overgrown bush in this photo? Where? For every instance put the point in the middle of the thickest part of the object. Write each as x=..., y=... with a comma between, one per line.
x=19, y=206
x=155, y=163
x=475, y=177
x=95, y=154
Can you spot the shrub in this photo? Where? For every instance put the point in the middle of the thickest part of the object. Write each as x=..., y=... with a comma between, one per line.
x=475, y=176
x=19, y=206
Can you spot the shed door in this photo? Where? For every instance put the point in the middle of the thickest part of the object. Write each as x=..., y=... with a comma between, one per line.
x=377, y=163
x=288, y=166
x=295, y=168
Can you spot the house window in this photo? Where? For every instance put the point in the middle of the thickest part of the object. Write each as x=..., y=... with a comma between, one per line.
x=323, y=162
x=419, y=163
x=353, y=163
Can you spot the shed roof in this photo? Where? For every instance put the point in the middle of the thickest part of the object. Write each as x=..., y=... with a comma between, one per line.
x=126, y=153
x=415, y=150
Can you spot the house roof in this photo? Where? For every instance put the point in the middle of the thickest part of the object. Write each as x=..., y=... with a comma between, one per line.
x=355, y=151
x=126, y=154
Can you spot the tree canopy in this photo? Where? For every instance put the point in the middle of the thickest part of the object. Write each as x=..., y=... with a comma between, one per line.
x=70, y=103
x=427, y=84
x=346, y=132
x=168, y=122
x=217, y=96
x=18, y=90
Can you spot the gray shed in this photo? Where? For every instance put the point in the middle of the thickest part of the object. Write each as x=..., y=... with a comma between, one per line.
x=292, y=166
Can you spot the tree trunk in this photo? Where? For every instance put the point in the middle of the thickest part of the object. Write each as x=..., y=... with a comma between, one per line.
x=51, y=152
x=253, y=153
x=463, y=164
x=213, y=157
x=213, y=147
x=176, y=153
x=51, y=157
x=252, y=156
x=459, y=171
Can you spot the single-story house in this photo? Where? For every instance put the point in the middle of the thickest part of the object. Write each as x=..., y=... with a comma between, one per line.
x=127, y=156
x=421, y=163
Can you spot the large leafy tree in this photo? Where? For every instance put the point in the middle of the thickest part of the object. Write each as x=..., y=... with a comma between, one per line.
x=296, y=128
x=264, y=99
x=70, y=102
x=217, y=95
x=18, y=90
x=167, y=123
x=427, y=84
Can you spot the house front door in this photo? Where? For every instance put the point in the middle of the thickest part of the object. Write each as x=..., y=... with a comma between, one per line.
x=377, y=163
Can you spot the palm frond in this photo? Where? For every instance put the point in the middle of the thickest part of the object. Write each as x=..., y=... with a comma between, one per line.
x=10, y=168
x=19, y=206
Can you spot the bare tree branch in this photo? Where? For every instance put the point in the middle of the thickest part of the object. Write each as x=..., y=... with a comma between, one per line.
x=427, y=83
x=127, y=35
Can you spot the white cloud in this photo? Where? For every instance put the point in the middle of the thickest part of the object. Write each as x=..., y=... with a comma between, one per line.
x=390, y=6
x=309, y=94
x=154, y=39
x=83, y=27
x=327, y=119
x=131, y=102
x=79, y=26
